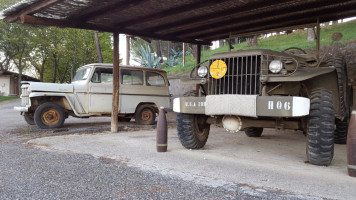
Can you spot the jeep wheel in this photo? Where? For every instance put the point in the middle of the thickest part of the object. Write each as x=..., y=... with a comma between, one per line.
x=193, y=131
x=145, y=115
x=29, y=118
x=321, y=124
x=254, y=132
x=49, y=115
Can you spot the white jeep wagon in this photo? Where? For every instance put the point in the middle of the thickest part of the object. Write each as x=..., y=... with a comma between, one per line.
x=142, y=92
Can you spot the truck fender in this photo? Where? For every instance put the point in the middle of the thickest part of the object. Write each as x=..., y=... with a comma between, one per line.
x=48, y=94
x=302, y=74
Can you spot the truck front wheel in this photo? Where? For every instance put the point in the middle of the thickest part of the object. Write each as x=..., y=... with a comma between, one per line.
x=29, y=118
x=321, y=125
x=49, y=115
x=193, y=131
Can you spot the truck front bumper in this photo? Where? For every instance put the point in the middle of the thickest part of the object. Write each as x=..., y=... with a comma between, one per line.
x=243, y=105
x=21, y=108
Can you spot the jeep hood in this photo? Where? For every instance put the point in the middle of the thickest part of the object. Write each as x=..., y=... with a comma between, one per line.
x=50, y=87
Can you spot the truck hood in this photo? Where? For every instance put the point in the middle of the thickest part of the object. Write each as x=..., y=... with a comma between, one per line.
x=50, y=87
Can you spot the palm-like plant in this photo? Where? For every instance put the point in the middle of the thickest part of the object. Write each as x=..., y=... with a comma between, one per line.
x=146, y=58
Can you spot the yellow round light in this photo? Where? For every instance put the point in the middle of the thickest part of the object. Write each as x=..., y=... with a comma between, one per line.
x=218, y=69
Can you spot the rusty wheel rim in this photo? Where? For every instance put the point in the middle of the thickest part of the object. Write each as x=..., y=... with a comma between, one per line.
x=146, y=115
x=50, y=117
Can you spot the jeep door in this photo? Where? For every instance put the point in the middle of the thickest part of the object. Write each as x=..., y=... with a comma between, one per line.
x=100, y=91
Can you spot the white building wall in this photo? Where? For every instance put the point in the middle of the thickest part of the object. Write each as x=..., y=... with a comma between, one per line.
x=4, y=85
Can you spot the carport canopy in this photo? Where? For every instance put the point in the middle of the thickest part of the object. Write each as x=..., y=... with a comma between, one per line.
x=190, y=21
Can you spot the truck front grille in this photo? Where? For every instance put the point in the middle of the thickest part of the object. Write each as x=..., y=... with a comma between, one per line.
x=242, y=76
x=25, y=99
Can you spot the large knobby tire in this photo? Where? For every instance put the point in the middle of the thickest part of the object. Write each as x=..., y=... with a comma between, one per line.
x=339, y=63
x=321, y=125
x=193, y=131
x=145, y=115
x=254, y=132
x=340, y=135
x=49, y=115
x=29, y=118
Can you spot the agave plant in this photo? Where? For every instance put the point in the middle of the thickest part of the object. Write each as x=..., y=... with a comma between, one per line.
x=146, y=58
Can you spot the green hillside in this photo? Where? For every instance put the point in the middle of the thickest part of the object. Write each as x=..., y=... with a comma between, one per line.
x=277, y=42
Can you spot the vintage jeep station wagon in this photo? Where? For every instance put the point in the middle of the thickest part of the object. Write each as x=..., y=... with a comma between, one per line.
x=142, y=92
x=249, y=90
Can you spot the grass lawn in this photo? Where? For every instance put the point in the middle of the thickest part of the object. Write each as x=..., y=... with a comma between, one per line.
x=6, y=98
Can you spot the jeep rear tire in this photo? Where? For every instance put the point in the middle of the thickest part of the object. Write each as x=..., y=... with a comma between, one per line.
x=145, y=115
x=49, y=115
x=321, y=125
x=340, y=135
x=29, y=118
x=193, y=131
x=254, y=132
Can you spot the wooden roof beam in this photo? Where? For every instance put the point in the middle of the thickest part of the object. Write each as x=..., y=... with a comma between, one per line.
x=38, y=21
x=165, y=13
x=221, y=14
x=298, y=23
x=107, y=10
x=34, y=8
x=277, y=14
x=311, y=13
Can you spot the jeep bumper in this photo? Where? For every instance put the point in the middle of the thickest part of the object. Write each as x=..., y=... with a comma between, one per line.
x=21, y=108
x=243, y=105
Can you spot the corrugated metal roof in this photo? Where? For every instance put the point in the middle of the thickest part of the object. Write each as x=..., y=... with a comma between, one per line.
x=193, y=21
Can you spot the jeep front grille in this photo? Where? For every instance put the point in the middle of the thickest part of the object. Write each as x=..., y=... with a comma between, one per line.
x=25, y=99
x=242, y=76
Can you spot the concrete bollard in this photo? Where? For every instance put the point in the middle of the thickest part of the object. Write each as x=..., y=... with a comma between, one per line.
x=161, y=137
x=351, y=146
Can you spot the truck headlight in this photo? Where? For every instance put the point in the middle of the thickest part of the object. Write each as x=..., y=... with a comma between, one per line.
x=202, y=71
x=275, y=66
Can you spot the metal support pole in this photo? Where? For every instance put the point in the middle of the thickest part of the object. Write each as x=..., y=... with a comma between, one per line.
x=183, y=54
x=115, y=96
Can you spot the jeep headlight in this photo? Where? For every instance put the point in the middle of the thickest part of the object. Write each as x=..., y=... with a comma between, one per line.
x=202, y=71
x=275, y=66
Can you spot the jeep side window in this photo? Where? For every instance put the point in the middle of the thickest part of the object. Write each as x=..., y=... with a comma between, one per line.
x=131, y=77
x=102, y=75
x=154, y=79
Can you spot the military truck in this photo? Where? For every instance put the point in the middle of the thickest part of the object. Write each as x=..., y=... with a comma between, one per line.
x=249, y=90
x=142, y=92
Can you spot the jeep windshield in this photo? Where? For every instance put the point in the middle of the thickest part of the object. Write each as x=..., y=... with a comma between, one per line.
x=81, y=74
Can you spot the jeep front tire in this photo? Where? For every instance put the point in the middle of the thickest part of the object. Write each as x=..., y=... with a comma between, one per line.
x=49, y=115
x=193, y=131
x=321, y=125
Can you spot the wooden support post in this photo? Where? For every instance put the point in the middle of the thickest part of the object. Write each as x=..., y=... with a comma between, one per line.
x=197, y=87
x=116, y=75
x=318, y=39
x=198, y=53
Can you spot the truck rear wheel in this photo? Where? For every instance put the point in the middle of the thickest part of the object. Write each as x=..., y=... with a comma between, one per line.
x=338, y=62
x=321, y=125
x=254, y=132
x=193, y=131
x=49, y=115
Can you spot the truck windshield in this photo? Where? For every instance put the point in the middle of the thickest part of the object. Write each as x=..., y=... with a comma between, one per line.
x=81, y=74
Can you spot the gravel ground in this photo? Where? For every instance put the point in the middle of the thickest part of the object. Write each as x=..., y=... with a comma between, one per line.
x=27, y=172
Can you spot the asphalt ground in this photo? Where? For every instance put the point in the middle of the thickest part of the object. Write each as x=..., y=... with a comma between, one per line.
x=85, y=161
